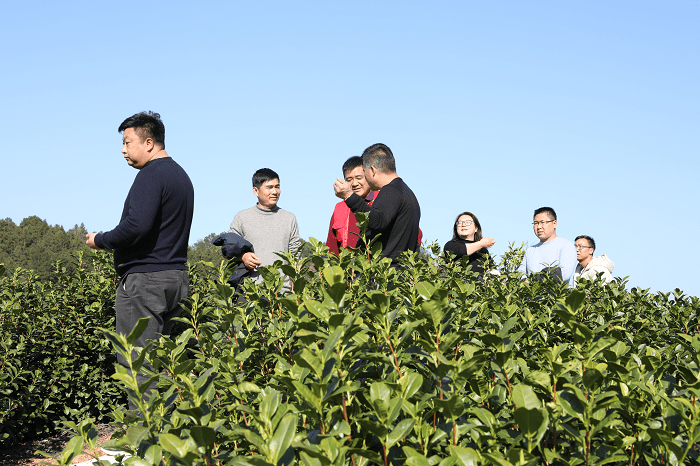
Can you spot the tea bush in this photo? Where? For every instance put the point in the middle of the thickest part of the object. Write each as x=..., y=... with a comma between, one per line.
x=54, y=361
x=420, y=365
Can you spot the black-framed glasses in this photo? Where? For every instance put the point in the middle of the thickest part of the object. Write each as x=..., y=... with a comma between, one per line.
x=543, y=222
x=464, y=223
x=580, y=246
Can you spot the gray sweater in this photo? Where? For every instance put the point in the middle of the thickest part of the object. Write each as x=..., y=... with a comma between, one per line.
x=269, y=231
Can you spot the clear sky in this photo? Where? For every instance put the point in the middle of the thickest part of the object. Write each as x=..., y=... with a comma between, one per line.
x=592, y=108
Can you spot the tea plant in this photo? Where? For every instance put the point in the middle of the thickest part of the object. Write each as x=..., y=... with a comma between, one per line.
x=360, y=362
x=422, y=364
x=54, y=361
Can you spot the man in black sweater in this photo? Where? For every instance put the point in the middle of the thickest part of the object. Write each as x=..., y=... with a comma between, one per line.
x=150, y=242
x=395, y=213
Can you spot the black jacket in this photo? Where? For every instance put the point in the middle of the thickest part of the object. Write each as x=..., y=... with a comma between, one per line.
x=233, y=246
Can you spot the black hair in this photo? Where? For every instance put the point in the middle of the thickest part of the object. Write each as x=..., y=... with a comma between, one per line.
x=352, y=163
x=380, y=157
x=477, y=234
x=591, y=241
x=546, y=210
x=146, y=125
x=263, y=175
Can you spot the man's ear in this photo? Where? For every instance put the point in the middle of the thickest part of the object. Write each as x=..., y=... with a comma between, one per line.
x=255, y=191
x=554, y=224
x=150, y=145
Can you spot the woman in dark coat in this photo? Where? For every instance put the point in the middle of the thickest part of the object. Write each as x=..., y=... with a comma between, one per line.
x=467, y=240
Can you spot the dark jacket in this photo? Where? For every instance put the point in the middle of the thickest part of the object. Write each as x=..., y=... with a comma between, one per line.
x=233, y=246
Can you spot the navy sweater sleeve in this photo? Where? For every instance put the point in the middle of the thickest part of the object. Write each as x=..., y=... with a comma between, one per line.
x=140, y=211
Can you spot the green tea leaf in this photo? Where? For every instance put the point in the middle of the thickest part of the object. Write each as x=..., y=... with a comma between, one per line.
x=400, y=431
x=282, y=439
x=465, y=456
x=525, y=397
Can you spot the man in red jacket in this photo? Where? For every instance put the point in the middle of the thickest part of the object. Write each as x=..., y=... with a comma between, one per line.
x=343, y=231
x=395, y=212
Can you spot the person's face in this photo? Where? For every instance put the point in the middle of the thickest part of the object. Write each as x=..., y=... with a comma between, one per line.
x=466, y=229
x=371, y=177
x=136, y=152
x=544, y=226
x=583, y=250
x=358, y=182
x=268, y=193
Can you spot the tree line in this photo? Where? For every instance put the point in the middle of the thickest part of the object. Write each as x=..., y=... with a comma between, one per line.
x=36, y=245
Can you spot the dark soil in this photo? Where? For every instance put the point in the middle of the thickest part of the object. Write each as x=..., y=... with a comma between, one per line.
x=22, y=454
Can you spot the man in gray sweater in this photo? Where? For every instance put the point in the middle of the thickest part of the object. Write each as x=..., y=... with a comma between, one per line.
x=268, y=228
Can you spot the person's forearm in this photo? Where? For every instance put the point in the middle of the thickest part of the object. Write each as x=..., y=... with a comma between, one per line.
x=382, y=212
x=141, y=209
x=128, y=233
x=356, y=204
x=473, y=247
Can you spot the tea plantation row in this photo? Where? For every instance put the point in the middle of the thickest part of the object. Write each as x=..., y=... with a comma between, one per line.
x=364, y=363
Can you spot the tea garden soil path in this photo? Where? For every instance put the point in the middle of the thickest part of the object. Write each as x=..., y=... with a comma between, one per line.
x=23, y=454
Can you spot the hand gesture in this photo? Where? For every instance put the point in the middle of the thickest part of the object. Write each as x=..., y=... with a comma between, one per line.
x=90, y=240
x=342, y=188
x=250, y=260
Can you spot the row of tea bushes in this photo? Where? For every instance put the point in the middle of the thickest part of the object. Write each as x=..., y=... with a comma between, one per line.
x=421, y=365
x=55, y=363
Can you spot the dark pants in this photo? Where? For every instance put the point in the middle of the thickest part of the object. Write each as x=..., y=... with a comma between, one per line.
x=155, y=295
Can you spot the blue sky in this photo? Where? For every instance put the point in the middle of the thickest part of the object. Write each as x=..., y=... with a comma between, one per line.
x=493, y=107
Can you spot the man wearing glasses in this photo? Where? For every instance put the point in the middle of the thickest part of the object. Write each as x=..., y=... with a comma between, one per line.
x=588, y=266
x=553, y=255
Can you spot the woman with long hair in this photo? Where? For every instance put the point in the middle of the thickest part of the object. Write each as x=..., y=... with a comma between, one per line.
x=467, y=240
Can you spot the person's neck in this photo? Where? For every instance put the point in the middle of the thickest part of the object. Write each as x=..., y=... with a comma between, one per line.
x=386, y=178
x=160, y=154
x=554, y=235
x=263, y=207
x=585, y=261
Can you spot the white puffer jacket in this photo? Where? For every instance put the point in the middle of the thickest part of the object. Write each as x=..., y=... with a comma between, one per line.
x=595, y=266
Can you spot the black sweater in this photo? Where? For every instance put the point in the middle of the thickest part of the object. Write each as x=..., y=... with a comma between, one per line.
x=478, y=259
x=154, y=230
x=395, y=214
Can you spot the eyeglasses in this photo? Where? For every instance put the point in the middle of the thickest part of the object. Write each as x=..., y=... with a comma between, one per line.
x=464, y=223
x=543, y=222
x=578, y=246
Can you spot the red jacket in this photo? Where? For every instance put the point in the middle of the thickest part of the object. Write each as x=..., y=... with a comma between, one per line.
x=343, y=230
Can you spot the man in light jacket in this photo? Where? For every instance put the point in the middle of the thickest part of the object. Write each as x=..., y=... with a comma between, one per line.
x=588, y=266
x=553, y=255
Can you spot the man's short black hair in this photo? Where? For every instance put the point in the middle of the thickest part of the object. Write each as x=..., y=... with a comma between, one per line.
x=263, y=175
x=380, y=157
x=546, y=210
x=591, y=241
x=146, y=125
x=351, y=164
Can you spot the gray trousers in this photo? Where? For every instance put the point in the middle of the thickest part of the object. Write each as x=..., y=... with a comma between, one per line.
x=156, y=295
